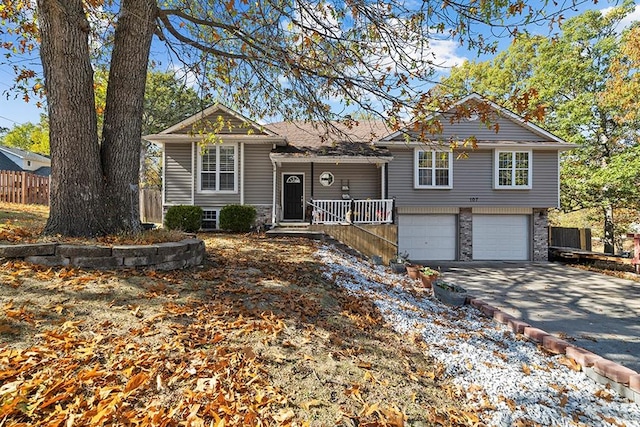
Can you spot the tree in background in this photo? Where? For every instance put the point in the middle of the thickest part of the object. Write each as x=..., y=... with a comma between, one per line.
x=571, y=78
x=167, y=100
x=29, y=136
x=266, y=58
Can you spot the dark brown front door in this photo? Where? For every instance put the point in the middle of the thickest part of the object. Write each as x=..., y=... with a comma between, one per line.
x=293, y=197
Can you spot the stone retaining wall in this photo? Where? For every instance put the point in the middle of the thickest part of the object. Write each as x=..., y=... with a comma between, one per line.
x=160, y=256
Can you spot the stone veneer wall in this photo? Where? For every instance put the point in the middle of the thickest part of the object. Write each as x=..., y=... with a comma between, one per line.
x=263, y=215
x=465, y=224
x=160, y=256
x=540, y=235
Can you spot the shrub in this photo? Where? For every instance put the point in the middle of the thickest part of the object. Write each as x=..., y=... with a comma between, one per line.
x=183, y=217
x=237, y=217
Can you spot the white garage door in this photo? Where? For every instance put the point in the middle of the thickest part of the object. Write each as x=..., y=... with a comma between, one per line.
x=501, y=237
x=427, y=237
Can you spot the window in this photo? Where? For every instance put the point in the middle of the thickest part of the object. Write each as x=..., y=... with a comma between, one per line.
x=209, y=219
x=432, y=169
x=218, y=169
x=513, y=169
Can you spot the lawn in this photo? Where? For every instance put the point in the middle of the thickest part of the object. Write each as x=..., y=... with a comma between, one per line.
x=271, y=332
x=256, y=336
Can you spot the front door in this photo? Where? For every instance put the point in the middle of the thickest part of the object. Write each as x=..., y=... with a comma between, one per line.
x=293, y=197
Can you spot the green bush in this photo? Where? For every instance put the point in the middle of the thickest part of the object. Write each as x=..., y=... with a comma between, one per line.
x=237, y=217
x=183, y=217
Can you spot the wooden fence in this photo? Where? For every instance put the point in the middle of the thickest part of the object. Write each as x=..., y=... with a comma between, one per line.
x=150, y=205
x=23, y=187
x=579, y=238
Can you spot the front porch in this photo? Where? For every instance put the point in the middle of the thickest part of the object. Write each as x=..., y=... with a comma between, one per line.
x=365, y=225
x=378, y=211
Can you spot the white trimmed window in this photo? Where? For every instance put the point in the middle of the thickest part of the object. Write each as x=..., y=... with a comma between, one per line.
x=433, y=169
x=218, y=169
x=512, y=169
x=210, y=219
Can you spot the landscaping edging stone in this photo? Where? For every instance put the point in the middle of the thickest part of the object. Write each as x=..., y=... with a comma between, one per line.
x=159, y=256
x=623, y=380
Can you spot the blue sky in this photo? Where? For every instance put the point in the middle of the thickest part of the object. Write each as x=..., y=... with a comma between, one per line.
x=16, y=111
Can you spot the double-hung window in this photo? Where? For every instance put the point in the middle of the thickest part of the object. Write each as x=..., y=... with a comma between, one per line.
x=432, y=169
x=512, y=169
x=218, y=166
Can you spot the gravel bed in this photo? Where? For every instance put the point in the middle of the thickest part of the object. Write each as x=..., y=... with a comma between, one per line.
x=506, y=379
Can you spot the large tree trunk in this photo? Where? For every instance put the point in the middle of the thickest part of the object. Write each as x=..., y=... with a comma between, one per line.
x=76, y=175
x=123, y=113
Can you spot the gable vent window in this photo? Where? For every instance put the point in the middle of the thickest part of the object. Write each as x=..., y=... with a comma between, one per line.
x=209, y=219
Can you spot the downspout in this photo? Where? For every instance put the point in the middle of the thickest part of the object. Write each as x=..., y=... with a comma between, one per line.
x=275, y=186
x=383, y=193
x=242, y=173
x=164, y=180
x=312, y=179
x=193, y=173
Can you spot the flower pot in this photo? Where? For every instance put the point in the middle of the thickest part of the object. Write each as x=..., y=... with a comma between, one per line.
x=413, y=271
x=427, y=280
x=449, y=293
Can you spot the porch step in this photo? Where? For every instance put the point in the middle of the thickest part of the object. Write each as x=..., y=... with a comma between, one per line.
x=296, y=231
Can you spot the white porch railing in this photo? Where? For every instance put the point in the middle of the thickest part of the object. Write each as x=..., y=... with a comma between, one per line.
x=352, y=211
x=373, y=211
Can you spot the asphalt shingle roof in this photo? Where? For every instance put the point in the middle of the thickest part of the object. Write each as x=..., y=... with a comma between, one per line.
x=308, y=138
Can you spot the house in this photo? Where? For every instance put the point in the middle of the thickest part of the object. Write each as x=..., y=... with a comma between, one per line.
x=18, y=160
x=491, y=205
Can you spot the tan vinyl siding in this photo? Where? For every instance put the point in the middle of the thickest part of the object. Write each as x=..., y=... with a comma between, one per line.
x=508, y=130
x=232, y=125
x=258, y=174
x=473, y=182
x=177, y=174
x=363, y=181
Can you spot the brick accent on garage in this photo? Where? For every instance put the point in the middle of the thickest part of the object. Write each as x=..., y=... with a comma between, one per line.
x=465, y=226
x=540, y=235
x=160, y=256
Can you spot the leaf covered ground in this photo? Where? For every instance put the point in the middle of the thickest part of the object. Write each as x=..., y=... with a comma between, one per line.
x=256, y=336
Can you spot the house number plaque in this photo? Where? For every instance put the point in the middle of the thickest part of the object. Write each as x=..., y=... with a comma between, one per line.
x=326, y=179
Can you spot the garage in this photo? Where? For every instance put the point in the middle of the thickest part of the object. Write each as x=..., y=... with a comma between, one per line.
x=428, y=237
x=501, y=237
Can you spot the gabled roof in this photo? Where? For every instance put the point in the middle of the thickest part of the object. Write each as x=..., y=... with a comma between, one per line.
x=24, y=154
x=210, y=111
x=314, y=135
x=6, y=164
x=501, y=111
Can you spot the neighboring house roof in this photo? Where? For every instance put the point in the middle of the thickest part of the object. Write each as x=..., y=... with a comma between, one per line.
x=7, y=165
x=24, y=154
x=43, y=171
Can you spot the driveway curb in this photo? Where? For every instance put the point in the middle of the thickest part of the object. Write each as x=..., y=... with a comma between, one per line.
x=623, y=380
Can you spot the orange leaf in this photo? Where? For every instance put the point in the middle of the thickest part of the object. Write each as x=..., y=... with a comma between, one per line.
x=136, y=381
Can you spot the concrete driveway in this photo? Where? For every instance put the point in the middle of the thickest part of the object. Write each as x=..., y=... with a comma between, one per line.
x=591, y=310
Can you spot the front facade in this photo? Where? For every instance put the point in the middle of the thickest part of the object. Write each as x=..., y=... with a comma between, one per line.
x=490, y=204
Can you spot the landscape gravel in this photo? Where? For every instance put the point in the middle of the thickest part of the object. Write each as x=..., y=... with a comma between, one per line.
x=507, y=379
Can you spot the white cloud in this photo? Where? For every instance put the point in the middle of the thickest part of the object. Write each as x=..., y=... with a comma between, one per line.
x=187, y=76
x=444, y=53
